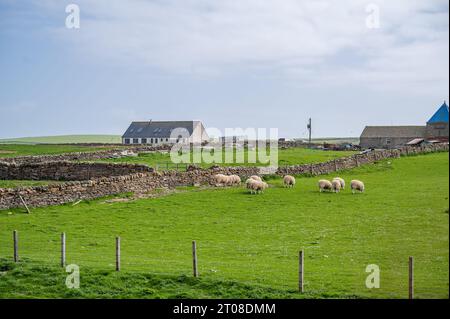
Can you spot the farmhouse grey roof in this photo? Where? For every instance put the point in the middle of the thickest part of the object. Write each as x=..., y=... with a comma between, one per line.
x=393, y=131
x=160, y=129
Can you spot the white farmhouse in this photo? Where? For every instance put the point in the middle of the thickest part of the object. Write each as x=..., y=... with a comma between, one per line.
x=165, y=132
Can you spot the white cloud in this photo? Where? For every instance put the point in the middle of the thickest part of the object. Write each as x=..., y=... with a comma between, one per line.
x=316, y=42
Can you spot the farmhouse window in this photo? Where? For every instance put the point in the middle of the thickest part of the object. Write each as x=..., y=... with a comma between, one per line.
x=127, y=141
x=135, y=141
x=167, y=139
x=144, y=141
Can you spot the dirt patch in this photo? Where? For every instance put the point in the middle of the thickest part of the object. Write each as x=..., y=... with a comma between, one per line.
x=7, y=152
x=160, y=192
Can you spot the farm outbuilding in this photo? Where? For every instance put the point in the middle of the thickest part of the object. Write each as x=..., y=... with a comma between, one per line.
x=390, y=136
x=165, y=132
x=396, y=136
x=437, y=125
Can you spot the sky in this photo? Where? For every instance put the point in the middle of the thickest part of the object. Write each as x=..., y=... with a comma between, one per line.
x=229, y=63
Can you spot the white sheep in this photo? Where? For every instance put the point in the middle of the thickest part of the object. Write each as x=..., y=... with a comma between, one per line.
x=357, y=186
x=336, y=185
x=325, y=185
x=235, y=179
x=256, y=178
x=223, y=179
x=260, y=186
x=249, y=184
x=341, y=180
x=289, y=181
x=256, y=186
x=220, y=178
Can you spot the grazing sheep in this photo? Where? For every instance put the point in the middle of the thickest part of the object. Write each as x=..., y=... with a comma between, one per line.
x=336, y=185
x=255, y=186
x=235, y=179
x=256, y=178
x=223, y=179
x=260, y=186
x=289, y=181
x=341, y=180
x=220, y=178
x=249, y=184
x=357, y=186
x=325, y=185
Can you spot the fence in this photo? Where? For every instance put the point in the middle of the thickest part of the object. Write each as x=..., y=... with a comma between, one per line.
x=308, y=278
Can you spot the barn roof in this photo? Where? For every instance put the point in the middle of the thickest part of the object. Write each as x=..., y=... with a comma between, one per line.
x=394, y=131
x=441, y=115
x=160, y=129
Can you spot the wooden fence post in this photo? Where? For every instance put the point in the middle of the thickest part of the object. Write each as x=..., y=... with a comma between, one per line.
x=117, y=253
x=63, y=249
x=16, y=246
x=24, y=204
x=300, y=271
x=411, y=278
x=194, y=258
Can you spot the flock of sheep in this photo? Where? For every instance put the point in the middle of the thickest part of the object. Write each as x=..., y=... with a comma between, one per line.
x=338, y=184
x=256, y=185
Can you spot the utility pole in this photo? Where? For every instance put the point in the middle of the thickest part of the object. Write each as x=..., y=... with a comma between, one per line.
x=309, y=126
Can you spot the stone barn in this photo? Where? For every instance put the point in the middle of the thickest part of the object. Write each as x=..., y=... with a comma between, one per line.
x=437, y=125
x=395, y=136
x=389, y=136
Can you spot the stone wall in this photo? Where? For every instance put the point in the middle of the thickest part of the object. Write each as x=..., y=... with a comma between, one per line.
x=148, y=180
x=358, y=160
x=67, y=171
x=98, y=187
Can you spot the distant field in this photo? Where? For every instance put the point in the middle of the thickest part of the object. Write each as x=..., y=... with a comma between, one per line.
x=13, y=150
x=73, y=139
x=247, y=244
x=63, y=139
x=290, y=156
x=336, y=140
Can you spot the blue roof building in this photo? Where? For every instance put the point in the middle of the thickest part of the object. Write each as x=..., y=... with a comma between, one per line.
x=437, y=125
x=436, y=130
x=441, y=115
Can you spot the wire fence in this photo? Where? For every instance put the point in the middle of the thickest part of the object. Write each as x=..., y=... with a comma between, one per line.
x=278, y=268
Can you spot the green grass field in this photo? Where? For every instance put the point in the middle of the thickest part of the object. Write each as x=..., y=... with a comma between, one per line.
x=247, y=244
x=290, y=156
x=63, y=139
x=13, y=150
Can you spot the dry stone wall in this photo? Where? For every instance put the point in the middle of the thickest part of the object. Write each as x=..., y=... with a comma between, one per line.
x=98, y=187
x=358, y=160
x=147, y=179
x=67, y=171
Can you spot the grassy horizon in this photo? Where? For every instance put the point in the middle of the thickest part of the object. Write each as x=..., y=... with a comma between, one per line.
x=111, y=138
x=64, y=139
